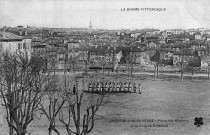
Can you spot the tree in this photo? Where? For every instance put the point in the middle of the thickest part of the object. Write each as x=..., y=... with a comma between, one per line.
x=52, y=104
x=206, y=59
x=194, y=63
x=128, y=61
x=21, y=89
x=183, y=63
x=80, y=109
x=52, y=58
x=103, y=63
x=72, y=59
x=156, y=62
x=85, y=60
x=130, y=57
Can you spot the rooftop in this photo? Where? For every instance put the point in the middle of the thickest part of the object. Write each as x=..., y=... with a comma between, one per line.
x=197, y=33
x=7, y=36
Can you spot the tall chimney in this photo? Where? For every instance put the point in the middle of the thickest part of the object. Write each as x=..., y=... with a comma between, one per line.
x=21, y=32
x=4, y=34
x=26, y=32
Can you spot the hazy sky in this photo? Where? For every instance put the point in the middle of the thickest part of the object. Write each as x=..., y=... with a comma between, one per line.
x=105, y=13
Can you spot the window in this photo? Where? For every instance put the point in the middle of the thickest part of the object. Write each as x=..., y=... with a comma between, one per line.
x=10, y=46
x=1, y=46
x=61, y=57
x=24, y=45
x=19, y=46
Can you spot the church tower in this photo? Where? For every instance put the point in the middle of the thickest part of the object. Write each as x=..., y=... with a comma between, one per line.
x=90, y=27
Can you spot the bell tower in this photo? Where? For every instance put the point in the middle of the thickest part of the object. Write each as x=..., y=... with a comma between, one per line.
x=90, y=27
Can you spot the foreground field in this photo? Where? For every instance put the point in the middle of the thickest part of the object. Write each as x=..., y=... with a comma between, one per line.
x=170, y=108
x=163, y=108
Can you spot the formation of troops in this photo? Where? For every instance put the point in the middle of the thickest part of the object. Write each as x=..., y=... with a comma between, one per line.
x=112, y=87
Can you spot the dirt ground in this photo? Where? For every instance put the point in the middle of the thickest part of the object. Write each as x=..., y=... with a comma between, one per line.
x=163, y=108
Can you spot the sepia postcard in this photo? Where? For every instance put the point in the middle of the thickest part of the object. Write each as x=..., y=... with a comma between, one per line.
x=104, y=67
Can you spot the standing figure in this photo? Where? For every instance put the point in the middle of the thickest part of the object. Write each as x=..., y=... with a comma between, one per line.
x=118, y=87
x=102, y=87
x=97, y=87
x=113, y=86
x=106, y=86
x=93, y=87
x=89, y=87
x=139, y=88
x=125, y=86
x=134, y=87
x=109, y=86
x=74, y=89
x=129, y=87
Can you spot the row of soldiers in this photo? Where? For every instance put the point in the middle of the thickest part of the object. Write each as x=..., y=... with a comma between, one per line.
x=114, y=87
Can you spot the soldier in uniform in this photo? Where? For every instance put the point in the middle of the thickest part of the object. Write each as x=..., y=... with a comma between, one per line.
x=106, y=87
x=121, y=87
x=93, y=87
x=139, y=88
x=134, y=87
x=109, y=86
x=113, y=86
x=118, y=87
x=89, y=87
x=125, y=86
x=74, y=89
x=97, y=87
x=129, y=86
x=102, y=87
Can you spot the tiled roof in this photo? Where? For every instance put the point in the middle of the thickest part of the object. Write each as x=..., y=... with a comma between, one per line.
x=192, y=29
x=206, y=31
x=203, y=49
x=130, y=49
x=174, y=45
x=165, y=50
x=7, y=36
x=152, y=38
x=99, y=49
x=197, y=33
x=156, y=42
x=142, y=43
x=206, y=35
x=187, y=53
x=136, y=49
x=197, y=41
x=186, y=35
x=39, y=46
